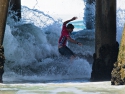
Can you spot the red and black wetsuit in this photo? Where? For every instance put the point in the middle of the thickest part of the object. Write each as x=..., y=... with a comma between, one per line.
x=64, y=50
x=64, y=35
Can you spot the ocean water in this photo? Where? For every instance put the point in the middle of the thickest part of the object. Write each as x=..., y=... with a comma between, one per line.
x=79, y=25
x=31, y=49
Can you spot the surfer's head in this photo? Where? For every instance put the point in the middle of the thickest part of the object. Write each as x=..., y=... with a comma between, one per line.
x=70, y=27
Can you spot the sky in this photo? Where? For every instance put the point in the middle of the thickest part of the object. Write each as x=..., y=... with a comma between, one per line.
x=63, y=9
x=121, y=4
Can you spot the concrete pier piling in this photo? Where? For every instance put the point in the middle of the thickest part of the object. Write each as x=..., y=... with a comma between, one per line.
x=106, y=47
x=3, y=16
x=16, y=7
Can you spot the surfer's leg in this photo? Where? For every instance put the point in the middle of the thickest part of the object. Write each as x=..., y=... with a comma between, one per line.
x=69, y=53
x=66, y=52
x=62, y=50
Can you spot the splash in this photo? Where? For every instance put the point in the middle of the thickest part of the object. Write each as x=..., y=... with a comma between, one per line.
x=120, y=23
x=31, y=50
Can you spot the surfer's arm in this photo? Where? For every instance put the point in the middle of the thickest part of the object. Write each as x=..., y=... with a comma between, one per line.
x=74, y=18
x=73, y=41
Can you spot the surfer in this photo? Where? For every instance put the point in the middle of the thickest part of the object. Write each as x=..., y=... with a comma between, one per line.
x=65, y=35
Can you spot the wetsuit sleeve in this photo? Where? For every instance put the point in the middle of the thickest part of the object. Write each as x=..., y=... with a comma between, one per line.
x=64, y=24
x=70, y=20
